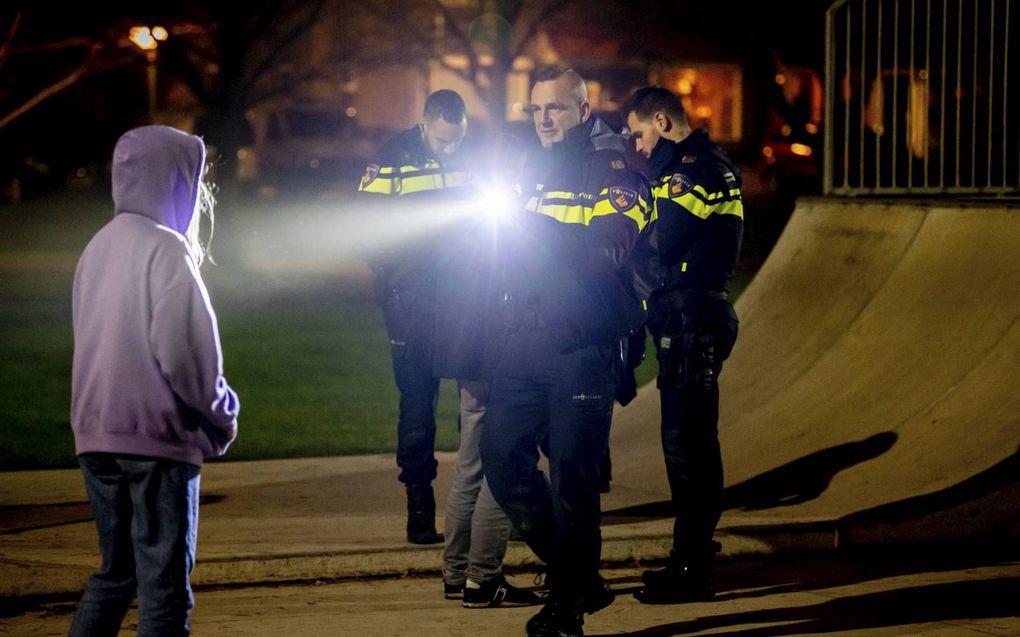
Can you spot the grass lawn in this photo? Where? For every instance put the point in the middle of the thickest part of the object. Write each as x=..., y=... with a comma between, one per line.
x=305, y=349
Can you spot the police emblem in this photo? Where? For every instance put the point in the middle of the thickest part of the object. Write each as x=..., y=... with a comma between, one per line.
x=679, y=185
x=371, y=172
x=688, y=159
x=617, y=164
x=623, y=199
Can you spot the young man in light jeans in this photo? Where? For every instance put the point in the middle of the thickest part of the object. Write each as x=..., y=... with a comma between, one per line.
x=476, y=528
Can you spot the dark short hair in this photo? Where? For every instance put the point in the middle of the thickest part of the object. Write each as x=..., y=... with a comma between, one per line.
x=446, y=104
x=649, y=100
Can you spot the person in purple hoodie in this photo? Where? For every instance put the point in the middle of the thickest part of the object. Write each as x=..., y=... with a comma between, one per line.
x=149, y=401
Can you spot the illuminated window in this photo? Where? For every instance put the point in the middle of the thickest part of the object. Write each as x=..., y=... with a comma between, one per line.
x=711, y=95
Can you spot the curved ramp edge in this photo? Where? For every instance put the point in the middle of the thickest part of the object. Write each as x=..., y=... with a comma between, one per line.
x=876, y=365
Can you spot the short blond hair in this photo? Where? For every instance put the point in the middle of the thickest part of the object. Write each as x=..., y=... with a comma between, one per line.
x=556, y=71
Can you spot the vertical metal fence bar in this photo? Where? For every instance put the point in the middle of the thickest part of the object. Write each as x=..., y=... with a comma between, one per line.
x=895, y=87
x=879, y=86
x=846, y=106
x=910, y=93
x=830, y=80
x=991, y=85
x=864, y=85
x=1005, y=102
x=927, y=83
x=958, y=91
x=974, y=101
x=942, y=99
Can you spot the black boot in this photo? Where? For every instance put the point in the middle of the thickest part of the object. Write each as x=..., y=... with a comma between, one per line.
x=421, y=515
x=558, y=618
x=683, y=580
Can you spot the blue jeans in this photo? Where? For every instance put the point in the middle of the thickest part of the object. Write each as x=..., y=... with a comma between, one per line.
x=146, y=513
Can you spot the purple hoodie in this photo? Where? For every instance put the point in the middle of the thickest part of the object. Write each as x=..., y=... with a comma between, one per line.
x=148, y=373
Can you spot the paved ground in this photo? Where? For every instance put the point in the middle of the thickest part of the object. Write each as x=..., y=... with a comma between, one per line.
x=757, y=598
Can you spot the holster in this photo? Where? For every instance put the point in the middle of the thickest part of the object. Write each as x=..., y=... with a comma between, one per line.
x=694, y=342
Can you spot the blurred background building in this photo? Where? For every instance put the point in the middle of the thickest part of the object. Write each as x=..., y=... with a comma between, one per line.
x=304, y=91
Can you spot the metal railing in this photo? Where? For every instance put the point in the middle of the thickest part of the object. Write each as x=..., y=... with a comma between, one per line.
x=918, y=98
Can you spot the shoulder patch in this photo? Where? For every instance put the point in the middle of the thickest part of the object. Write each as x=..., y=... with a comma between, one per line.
x=617, y=164
x=623, y=199
x=371, y=172
x=688, y=159
x=680, y=185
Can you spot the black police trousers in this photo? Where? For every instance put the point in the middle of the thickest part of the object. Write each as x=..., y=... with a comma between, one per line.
x=412, y=346
x=563, y=405
x=692, y=342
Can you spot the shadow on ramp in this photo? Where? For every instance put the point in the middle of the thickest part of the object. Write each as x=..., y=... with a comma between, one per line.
x=793, y=483
x=986, y=503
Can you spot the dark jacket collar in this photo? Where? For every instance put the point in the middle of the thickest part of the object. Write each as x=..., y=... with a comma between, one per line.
x=594, y=134
x=667, y=153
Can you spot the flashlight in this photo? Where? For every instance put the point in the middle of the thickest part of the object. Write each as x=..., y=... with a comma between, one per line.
x=497, y=201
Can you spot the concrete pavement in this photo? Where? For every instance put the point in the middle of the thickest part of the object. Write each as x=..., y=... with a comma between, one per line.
x=305, y=519
x=757, y=598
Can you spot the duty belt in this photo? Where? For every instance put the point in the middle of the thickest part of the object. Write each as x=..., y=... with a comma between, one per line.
x=681, y=298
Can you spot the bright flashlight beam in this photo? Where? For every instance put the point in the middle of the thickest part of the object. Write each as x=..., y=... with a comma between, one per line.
x=309, y=236
x=496, y=201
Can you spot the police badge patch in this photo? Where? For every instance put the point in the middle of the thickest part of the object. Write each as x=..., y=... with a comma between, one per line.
x=679, y=185
x=623, y=199
x=617, y=164
x=371, y=172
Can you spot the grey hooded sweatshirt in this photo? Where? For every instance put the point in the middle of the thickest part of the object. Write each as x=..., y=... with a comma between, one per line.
x=148, y=377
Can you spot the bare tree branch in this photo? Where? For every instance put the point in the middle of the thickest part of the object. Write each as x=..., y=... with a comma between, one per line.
x=459, y=72
x=287, y=40
x=451, y=21
x=414, y=42
x=465, y=42
x=5, y=47
x=288, y=84
x=51, y=90
x=70, y=43
x=547, y=12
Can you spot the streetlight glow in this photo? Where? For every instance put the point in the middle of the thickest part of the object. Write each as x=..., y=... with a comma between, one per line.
x=147, y=39
x=143, y=38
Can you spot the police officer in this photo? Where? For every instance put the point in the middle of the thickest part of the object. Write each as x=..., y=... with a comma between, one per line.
x=416, y=175
x=695, y=234
x=566, y=306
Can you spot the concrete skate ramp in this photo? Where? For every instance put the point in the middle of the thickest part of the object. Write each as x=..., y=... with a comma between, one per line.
x=875, y=380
